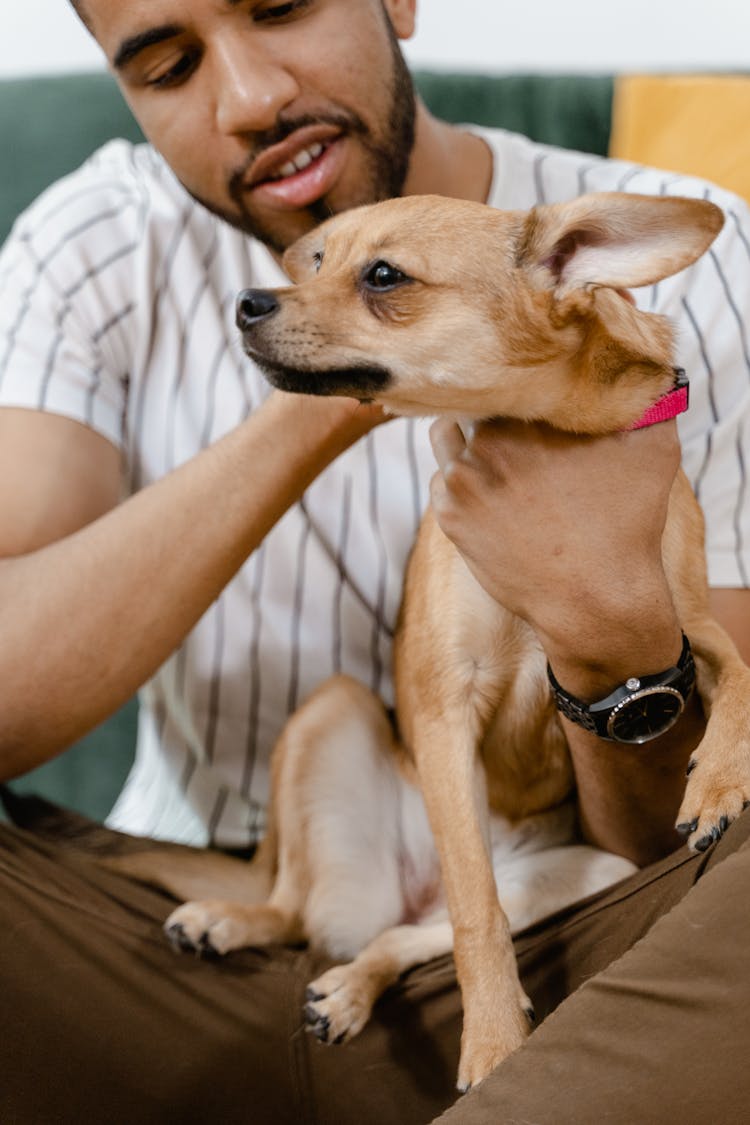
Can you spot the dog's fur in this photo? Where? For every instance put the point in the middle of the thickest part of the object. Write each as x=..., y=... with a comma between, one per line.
x=491, y=314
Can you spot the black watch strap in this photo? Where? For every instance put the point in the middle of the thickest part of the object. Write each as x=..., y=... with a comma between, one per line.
x=600, y=717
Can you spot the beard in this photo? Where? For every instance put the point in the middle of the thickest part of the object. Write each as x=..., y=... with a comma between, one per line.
x=386, y=161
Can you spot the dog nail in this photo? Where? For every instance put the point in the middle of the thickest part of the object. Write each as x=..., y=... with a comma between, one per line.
x=204, y=948
x=690, y=767
x=178, y=939
x=311, y=994
x=687, y=827
x=707, y=840
x=339, y=1039
x=724, y=824
x=316, y=1021
x=530, y=1016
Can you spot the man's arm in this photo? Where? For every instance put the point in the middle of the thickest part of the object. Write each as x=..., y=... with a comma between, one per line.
x=567, y=533
x=731, y=608
x=96, y=594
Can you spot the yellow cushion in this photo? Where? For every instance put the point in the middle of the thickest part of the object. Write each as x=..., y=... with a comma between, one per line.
x=696, y=124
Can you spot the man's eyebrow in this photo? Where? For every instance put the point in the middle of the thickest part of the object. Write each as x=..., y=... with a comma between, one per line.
x=131, y=47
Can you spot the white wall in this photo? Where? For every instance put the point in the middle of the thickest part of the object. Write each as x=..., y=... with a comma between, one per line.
x=493, y=35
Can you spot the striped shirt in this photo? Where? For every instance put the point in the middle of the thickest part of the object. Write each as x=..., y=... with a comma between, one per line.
x=117, y=309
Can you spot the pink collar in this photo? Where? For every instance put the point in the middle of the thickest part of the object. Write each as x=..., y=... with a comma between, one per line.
x=671, y=404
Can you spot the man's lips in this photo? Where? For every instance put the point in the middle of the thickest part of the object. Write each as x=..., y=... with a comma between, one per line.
x=273, y=178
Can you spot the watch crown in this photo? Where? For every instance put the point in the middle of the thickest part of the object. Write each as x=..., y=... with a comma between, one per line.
x=633, y=683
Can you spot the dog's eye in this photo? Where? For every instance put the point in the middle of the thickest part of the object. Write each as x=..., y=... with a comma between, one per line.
x=384, y=276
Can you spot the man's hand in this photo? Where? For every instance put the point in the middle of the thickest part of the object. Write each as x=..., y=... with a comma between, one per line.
x=566, y=532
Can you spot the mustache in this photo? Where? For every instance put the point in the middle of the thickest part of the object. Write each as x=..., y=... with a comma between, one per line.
x=346, y=120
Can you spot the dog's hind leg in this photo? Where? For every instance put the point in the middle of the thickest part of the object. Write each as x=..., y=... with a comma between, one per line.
x=340, y=1002
x=354, y=807
x=216, y=926
x=335, y=815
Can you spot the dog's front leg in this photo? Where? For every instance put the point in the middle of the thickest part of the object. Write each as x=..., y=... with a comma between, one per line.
x=497, y=1012
x=718, y=786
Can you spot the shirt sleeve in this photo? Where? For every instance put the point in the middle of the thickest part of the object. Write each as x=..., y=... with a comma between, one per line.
x=709, y=305
x=65, y=303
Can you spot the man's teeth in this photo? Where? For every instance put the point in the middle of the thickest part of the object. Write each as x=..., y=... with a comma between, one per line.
x=300, y=161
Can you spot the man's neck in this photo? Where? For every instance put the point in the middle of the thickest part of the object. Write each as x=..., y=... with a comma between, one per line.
x=448, y=161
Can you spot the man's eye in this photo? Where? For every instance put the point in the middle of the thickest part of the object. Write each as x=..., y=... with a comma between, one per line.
x=177, y=73
x=383, y=275
x=280, y=11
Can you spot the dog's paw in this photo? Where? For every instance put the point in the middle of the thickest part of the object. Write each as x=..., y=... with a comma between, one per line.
x=717, y=791
x=337, y=1007
x=208, y=929
x=482, y=1050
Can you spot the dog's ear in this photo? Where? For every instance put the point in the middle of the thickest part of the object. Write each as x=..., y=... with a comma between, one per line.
x=303, y=258
x=617, y=240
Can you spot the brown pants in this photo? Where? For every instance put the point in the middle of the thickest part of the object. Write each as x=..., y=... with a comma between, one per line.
x=104, y=1023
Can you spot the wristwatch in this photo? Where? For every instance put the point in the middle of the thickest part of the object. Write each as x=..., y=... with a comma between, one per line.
x=640, y=709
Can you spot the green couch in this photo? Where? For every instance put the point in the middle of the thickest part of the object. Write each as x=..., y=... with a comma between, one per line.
x=48, y=125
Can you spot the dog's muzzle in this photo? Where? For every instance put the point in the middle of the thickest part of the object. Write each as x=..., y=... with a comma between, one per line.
x=254, y=305
x=254, y=308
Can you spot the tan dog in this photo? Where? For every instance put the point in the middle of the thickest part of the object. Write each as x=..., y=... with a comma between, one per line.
x=435, y=306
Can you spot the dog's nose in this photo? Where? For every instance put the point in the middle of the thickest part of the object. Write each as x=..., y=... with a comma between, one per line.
x=254, y=305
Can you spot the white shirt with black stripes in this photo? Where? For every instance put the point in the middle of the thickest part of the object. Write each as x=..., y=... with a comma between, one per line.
x=117, y=297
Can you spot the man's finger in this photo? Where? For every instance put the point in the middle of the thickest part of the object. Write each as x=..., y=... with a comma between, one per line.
x=438, y=492
x=448, y=442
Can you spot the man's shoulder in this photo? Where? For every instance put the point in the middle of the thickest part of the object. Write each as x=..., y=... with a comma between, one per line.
x=115, y=194
x=529, y=172
x=122, y=216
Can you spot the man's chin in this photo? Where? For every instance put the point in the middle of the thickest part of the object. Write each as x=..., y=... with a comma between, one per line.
x=277, y=234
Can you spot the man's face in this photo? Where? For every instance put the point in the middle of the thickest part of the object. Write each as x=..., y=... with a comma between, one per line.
x=274, y=115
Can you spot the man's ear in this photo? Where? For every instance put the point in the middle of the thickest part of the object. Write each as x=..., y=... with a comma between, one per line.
x=302, y=259
x=403, y=16
x=617, y=240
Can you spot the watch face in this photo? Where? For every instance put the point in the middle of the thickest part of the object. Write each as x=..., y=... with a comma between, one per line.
x=645, y=715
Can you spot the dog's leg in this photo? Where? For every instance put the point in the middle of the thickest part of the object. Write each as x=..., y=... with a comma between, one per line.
x=335, y=810
x=340, y=1002
x=534, y=885
x=497, y=1011
x=455, y=663
x=191, y=873
x=355, y=837
x=718, y=785
x=213, y=927
x=537, y=885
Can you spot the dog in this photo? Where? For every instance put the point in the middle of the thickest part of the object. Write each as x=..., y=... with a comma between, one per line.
x=434, y=306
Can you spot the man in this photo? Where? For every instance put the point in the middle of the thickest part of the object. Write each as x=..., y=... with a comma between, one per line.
x=239, y=571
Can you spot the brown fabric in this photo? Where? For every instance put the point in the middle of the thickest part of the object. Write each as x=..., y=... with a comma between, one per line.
x=663, y=1033
x=104, y=1023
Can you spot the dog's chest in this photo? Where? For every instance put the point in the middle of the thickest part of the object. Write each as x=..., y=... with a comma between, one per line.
x=524, y=751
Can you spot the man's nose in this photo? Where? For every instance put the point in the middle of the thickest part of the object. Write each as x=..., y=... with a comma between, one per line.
x=252, y=87
x=254, y=305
